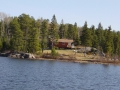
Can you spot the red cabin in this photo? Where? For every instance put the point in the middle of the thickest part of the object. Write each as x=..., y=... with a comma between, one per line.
x=64, y=43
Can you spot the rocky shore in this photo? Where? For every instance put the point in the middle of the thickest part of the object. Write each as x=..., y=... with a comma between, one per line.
x=59, y=58
x=18, y=55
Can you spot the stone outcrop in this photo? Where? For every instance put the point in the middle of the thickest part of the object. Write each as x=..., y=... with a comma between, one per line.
x=23, y=55
x=5, y=54
x=29, y=56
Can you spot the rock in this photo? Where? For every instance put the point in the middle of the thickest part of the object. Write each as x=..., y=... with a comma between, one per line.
x=29, y=56
x=5, y=54
x=13, y=56
x=18, y=55
x=26, y=55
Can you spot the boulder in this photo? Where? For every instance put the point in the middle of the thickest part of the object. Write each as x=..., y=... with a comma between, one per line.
x=29, y=56
x=17, y=55
x=13, y=56
x=5, y=54
x=20, y=55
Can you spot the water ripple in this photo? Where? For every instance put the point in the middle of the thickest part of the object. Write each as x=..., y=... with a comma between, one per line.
x=16, y=74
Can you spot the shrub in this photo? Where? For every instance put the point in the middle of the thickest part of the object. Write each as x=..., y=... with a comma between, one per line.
x=54, y=53
x=38, y=53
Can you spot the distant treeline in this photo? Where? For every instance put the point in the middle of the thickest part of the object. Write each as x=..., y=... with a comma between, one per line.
x=24, y=33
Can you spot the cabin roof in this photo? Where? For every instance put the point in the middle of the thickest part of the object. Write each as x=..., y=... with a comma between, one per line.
x=65, y=40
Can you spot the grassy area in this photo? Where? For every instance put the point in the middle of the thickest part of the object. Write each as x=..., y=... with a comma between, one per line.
x=71, y=53
x=67, y=52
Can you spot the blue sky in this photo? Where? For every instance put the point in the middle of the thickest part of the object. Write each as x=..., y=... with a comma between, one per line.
x=93, y=11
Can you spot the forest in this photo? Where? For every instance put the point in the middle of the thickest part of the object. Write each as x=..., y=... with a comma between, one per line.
x=25, y=33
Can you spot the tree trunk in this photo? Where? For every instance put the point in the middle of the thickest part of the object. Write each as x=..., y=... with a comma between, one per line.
x=85, y=52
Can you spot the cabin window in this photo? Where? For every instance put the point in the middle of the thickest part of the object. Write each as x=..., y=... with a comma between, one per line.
x=63, y=43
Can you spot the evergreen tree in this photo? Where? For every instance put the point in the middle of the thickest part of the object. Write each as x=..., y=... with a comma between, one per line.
x=116, y=41
x=17, y=35
x=65, y=31
x=44, y=33
x=33, y=41
x=53, y=32
x=70, y=32
x=0, y=44
x=76, y=36
x=24, y=33
x=26, y=23
x=86, y=36
x=61, y=29
x=109, y=42
x=94, y=37
x=99, y=34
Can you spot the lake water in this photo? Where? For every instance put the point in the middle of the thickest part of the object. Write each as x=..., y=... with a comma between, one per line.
x=19, y=74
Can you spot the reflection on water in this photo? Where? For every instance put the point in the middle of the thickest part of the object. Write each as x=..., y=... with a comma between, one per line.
x=19, y=74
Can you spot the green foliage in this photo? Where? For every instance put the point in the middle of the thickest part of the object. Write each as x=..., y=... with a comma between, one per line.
x=17, y=35
x=116, y=41
x=24, y=33
x=53, y=31
x=109, y=42
x=99, y=33
x=53, y=52
x=75, y=31
x=0, y=44
x=26, y=23
x=94, y=38
x=61, y=30
x=33, y=41
x=76, y=36
x=70, y=31
x=44, y=33
x=39, y=53
x=86, y=36
x=65, y=31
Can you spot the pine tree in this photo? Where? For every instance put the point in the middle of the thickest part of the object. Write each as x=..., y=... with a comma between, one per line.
x=65, y=31
x=53, y=32
x=99, y=34
x=94, y=37
x=17, y=35
x=43, y=34
x=33, y=41
x=86, y=37
x=0, y=44
x=70, y=32
x=76, y=36
x=26, y=23
x=116, y=41
x=61, y=29
x=109, y=42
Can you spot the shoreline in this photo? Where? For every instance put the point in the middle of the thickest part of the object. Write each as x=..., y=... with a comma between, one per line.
x=63, y=56
x=87, y=61
x=103, y=62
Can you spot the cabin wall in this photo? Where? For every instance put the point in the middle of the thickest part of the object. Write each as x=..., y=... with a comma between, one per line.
x=63, y=45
